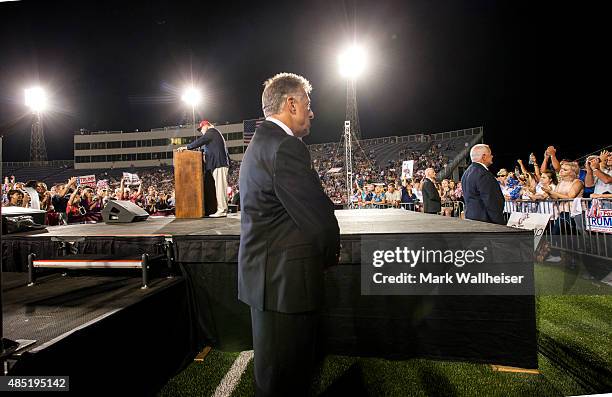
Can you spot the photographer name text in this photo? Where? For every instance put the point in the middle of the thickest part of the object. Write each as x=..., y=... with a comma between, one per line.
x=447, y=278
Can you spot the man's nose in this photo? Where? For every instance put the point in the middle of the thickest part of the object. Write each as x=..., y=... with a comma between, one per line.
x=311, y=115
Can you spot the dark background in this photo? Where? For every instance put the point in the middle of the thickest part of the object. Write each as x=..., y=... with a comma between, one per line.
x=434, y=66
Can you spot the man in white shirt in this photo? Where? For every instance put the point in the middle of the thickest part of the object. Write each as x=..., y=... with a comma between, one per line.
x=599, y=173
x=393, y=196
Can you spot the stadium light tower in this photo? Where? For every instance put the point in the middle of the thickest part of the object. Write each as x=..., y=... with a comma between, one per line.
x=192, y=97
x=352, y=64
x=36, y=100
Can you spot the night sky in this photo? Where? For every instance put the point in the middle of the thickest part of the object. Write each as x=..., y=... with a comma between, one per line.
x=120, y=65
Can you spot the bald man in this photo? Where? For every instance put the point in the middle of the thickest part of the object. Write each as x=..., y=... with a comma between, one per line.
x=483, y=197
x=431, y=197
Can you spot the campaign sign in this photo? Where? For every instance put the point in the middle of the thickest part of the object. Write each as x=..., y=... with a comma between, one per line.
x=601, y=221
x=407, y=169
x=530, y=221
x=87, y=180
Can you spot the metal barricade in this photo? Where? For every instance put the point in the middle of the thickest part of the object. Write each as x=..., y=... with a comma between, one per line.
x=578, y=225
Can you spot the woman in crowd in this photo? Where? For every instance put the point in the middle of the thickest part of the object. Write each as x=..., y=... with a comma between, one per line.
x=569, y=187
x=459, y=192
x=409, y=199
x=379, y=196
x=44, y=196
x=446, y=198
x=16, y=198
x=92, y=204
x=74, y=209
x=547, y=179
x=151, y=200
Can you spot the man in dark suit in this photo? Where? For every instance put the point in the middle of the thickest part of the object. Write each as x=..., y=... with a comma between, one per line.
x=482, y=195
x=217, y=161
x=288, y=236
x=431, y=197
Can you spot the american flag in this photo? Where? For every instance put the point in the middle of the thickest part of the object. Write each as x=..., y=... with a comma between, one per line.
x=249, y=129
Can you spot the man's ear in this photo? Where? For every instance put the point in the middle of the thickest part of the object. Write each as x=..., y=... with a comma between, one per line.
x=292, y=105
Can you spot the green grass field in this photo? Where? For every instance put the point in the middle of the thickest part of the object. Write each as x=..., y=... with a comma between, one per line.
x=575, y=357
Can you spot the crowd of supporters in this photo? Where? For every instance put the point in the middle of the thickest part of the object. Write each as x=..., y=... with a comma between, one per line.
x=374, y=185
x=71, y=202
x=558, y=179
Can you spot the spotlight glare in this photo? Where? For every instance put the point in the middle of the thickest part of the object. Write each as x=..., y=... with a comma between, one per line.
x=36, y=99
x=192, y=96
x=352, y=62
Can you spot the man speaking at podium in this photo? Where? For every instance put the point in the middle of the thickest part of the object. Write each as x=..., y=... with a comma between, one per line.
x=288, y=236
x=217, y=161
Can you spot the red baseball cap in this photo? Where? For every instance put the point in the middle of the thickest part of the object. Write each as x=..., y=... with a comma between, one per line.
x=203, y=123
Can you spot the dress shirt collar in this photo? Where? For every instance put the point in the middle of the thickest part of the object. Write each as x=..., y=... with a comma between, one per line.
x=477, y=162
x=281, y=125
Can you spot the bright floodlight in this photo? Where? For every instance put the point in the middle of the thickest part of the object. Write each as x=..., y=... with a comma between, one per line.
x=352, y=62
x=192, y=96
x=36, y=99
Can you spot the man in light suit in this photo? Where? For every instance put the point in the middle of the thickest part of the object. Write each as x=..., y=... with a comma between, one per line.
x=288, y=236
x=217, y=161
x=482, y=195
x=431, y=197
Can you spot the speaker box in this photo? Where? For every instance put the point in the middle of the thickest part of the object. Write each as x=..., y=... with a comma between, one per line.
x=123, y=211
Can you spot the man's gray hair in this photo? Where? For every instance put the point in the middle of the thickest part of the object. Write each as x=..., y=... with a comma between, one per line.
x=278, y=88
x=478, y=150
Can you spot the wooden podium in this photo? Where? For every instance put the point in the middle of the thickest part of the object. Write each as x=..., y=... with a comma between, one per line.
x=189, y=184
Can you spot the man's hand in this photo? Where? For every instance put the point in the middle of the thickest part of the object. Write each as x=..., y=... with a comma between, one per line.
x=551, y=151
x=181, y=149
x=72, y=181
x=519, y=161
x=603, y=157
x=595, y=163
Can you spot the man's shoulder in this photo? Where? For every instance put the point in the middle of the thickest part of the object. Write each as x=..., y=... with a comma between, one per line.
x=476, y=168
x=213, y=133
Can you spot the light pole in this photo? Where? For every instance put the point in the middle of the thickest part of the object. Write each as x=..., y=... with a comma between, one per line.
x=352, y=64
x=192, y=97
x=36, y=100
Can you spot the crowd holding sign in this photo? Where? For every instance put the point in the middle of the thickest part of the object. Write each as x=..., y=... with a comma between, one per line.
x=407, y=169
x=131, y=179
x=87, y=180
x=102, y=184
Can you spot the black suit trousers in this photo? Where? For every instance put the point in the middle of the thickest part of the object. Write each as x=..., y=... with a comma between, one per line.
x=284, y=352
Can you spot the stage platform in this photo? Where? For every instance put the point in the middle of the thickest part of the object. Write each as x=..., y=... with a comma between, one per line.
x=486, y=329
x=351, y=222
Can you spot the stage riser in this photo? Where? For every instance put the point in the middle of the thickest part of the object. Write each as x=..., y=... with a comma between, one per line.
x=484, y=329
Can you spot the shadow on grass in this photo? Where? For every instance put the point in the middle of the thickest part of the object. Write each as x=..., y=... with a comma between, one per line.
x=435, y=382
x=351, y=383
x=590, y=374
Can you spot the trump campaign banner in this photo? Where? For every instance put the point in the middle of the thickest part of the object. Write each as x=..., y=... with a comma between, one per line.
x=87, y=180
x=599, y=219
x=102, y=184
x=131, y=179
x=407, y=169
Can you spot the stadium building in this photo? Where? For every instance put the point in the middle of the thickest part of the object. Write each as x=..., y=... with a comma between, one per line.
x=118, y=149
